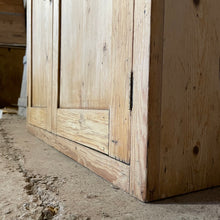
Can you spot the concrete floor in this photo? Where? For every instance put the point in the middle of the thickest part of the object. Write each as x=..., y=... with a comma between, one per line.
x=38, y=182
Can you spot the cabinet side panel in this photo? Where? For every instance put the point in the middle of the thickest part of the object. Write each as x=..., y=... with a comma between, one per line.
x=190, y=110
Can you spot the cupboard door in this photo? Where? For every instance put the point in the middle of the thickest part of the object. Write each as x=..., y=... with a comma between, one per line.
x=40, y=72
x=94, y=77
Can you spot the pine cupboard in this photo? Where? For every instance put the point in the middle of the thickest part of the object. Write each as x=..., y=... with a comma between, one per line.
x=129, y=89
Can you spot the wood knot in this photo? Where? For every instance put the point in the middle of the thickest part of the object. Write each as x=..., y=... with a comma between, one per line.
x=195, y=150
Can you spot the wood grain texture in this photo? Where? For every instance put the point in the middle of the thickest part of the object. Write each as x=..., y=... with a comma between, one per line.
x=139, y=125
x=41, y=52
x=184, y=94
x=87, y=127
x=12, y=23
x=56, y=65
x=104, y=166
x=86, y=37
x=173, y=130
x=97, y=36
x=155, y=96
x=38, y=117
x=121, y=64
x=39, y=63
x=191, y=97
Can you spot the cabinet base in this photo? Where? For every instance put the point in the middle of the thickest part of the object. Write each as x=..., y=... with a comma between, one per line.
x=111, y=170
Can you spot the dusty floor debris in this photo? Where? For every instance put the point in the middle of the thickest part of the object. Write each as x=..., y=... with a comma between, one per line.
x=37, y=182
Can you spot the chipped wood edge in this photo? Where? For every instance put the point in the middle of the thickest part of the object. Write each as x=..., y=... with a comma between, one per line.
x=113, y=171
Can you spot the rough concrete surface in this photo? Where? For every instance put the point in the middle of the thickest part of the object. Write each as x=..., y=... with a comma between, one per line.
x=38, y=182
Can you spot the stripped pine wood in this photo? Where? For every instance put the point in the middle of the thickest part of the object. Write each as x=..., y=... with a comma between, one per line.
x=40, y=66
x=96, y=73
x=56, y=64
x=154, y=103
x=121, y=84
x=86, y=34
x=110, y=169
x=139, y=128
x=86, y=127
x=38, y=117
x=41, y=52
x=190, y=108
x=134, y=81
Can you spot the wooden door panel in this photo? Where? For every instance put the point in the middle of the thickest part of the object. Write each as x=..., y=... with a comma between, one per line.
x=41, y=51
x=40, y=62
x=96, y=74
x=86, y=37
x=88, y=127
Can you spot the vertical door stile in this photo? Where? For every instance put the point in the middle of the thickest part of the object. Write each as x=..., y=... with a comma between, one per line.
x=39, y=51
x=143, y=12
